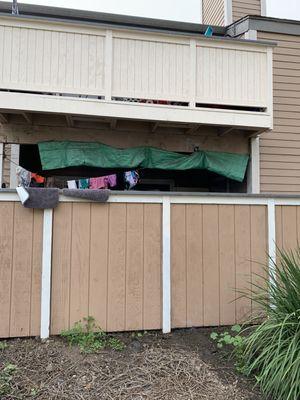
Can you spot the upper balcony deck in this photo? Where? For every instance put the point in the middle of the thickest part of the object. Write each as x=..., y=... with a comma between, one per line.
x=85, y=69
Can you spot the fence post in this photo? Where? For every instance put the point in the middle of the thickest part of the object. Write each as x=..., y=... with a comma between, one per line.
x=46, y=274
x=166, y=265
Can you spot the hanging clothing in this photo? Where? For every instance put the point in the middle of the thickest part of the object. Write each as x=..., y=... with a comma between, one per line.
x=72, y=184
x=37, y=178
x=23, y=176
x=112, y=180
x=84, y=183
x=131, y=179
x=99, y=183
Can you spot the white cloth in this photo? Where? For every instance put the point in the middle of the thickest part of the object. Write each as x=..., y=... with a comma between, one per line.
x=72, y=185
x=23, y=176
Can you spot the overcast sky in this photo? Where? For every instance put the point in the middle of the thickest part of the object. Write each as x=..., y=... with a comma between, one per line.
x=289, y=9
x=179, y=10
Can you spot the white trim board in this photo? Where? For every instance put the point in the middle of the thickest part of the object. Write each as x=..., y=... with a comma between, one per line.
x=46, y=274
x=253, y=181
x=177, y=199
x=228, y=12
x=137, y=111
x=166, y=265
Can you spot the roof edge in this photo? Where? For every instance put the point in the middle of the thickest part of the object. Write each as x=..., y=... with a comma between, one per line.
x=264, y=24
x=98, y=18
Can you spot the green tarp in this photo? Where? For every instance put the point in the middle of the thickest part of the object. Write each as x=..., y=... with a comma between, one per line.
x=56, y=155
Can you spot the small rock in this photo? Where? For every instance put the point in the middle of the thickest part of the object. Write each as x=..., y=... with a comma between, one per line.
x=49, y=368
x=135, y=345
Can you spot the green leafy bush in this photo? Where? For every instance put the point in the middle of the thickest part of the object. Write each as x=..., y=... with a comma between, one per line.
x=89, y=337
x=271, y=350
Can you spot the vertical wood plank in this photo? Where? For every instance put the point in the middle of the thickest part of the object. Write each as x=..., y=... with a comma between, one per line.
x=259, y=248
x=194, y=265
x=116, y=268
x=80, y=260
x=6, y=256
x=98, y=263
x=211, y=273
x=134, y=267
x=227, y=264
x=21, y=274
x=178, y=266
x=278, y=216
x=152, y=266
x=243, y=264
x=298, y=225
x=37, y=249
x=61, y=266
x=289, y=227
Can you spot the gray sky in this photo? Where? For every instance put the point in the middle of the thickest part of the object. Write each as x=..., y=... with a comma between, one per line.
x=180, y=10
x=289, y=9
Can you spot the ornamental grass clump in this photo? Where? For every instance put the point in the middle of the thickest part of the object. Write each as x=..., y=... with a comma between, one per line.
x=271, y=350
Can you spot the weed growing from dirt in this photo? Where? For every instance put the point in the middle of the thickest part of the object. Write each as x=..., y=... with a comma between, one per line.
x=234, y=340
x=6, y=376
x=227, y=338
x=90, y=338
x=3, y=345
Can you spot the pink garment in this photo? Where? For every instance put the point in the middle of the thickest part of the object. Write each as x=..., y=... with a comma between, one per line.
x=112, y=180
x=99, y=183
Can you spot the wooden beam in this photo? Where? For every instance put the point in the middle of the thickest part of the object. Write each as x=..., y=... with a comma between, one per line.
x=3, y=119
x=225, y=131
x=70, y=121
x=192, y=129
x=154, y=127
x=27, y=117
x=113, y=124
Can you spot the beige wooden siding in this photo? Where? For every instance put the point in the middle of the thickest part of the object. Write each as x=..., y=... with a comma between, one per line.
x=241, y=8
x=280, y=148
x=213, y=12
x=214, y=249
x=288, y=227
x=20, y=270
x=107, y=264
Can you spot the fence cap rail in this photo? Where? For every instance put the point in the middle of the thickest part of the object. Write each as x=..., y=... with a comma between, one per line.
x=178, y=197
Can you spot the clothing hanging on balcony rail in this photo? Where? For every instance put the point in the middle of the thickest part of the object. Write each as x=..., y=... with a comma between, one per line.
x=56, y=154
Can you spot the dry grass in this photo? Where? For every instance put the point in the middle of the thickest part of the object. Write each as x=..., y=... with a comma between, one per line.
x=152, y=369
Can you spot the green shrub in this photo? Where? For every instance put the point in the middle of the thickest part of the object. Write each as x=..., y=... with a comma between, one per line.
x=271, y=350
x=89, y=337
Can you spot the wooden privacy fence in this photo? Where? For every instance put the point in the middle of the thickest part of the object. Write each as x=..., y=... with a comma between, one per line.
x=140, y=261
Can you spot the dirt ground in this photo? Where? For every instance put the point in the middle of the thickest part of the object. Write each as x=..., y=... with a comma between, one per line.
x=182, y=365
